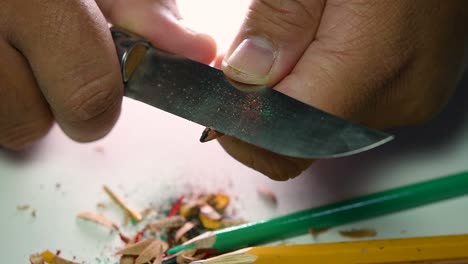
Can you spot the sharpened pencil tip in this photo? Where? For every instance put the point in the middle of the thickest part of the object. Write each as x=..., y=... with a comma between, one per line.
x=209, y=134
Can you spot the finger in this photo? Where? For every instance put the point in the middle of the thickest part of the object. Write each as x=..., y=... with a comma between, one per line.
x=275, y=166
x=160, y=22
x=272, y=39
x=72, y=55
x=355, y=69
x=24, y=114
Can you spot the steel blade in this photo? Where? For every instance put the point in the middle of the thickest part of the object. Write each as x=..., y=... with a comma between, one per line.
x=261, y=116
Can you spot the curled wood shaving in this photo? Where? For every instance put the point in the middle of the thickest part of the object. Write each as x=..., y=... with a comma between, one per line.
x=183, y=230
x=267, y=194
x=98, y=219
x=135, y=249
x=359, y=233
x=168, y=222
x=119, y=201
x=155, y=251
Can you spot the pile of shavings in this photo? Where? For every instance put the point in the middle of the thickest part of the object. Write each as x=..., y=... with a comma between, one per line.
x=187, y=217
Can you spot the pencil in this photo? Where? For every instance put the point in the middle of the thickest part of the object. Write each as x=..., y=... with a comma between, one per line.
x=439, y=249
x=368, y=206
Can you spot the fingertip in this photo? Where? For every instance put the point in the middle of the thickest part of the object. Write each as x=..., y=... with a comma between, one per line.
x=203, y=48
x=272, y=165
x=163, y=27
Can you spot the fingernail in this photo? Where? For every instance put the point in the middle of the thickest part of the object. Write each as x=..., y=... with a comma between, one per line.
x=251, y=61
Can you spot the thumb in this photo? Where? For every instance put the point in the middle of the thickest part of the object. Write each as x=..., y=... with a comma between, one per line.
x=272, y=39
x=160, y=22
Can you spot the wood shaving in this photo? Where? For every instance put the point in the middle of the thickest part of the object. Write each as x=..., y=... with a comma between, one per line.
x=219, y=201
x=189, y=209
x=359, y=233
x=135, y=249
x=316, y=232
x=267, y=194
x=127, y=260
x=168, y=222
x=23, y=207
x=98, y=219
x=124, y=238
x=49, y=258
x=153, y=251
x=183, y=230
x=119, y=201
x=148, y=212
x=186, y=256
x=210, y=212
x=185, y=220
x=209, y=223
x=36, y=259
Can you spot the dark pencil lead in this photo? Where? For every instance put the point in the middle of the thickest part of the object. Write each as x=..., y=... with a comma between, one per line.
x=209, y=134
x=204, y=135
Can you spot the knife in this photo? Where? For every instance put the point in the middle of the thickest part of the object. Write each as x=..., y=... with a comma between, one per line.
x=262, y=116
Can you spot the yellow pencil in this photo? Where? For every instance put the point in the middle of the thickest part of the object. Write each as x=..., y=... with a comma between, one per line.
x=440, y=249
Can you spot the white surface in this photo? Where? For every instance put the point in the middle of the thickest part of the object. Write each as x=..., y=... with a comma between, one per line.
x=151, y=156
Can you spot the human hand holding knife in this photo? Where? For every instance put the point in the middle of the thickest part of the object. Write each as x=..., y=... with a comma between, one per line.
x=369, y=63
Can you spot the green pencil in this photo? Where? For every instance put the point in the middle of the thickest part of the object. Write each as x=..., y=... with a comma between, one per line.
x=327, y=216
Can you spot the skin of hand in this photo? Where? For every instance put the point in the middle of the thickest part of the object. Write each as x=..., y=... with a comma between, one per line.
x=382, y=63
x=58, y=62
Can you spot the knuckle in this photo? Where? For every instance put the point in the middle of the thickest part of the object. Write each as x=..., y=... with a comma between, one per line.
x=93, y=98
x=286, y=16
x=17, y=136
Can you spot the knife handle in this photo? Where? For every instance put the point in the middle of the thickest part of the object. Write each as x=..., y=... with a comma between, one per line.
x=131, y=49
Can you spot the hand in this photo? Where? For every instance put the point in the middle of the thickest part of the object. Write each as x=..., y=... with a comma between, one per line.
x=383, y=63
x=58, y=62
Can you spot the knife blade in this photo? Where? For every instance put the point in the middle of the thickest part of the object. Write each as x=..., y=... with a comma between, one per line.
x=261, y=116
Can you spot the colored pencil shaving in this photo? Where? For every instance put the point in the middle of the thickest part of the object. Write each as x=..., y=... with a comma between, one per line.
x=358, y=233
x=440, y=249
x=135, y=215
x=98, y=219
x=209, y=134
x=49, y=258
x=368, y=206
